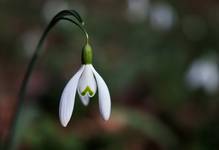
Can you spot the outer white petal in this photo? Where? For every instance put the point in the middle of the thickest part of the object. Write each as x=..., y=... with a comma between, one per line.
x=84, y=99
x=68, y=98
x=104, y=96
x=87, y=80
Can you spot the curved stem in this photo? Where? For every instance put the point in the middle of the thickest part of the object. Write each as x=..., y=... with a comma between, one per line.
x=70, y=13
x=10, y=140
x=78, y=25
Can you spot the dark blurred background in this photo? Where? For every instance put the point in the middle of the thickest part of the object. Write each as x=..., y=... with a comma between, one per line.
x=158, y=57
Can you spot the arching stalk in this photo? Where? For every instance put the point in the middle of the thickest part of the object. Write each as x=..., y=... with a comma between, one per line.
x=63, y=15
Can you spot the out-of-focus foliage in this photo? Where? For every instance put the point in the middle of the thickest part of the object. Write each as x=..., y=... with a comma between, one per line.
x=159, y=59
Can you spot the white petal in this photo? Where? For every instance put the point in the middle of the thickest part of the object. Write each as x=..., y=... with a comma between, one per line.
x=87, y=81
x=104, y=96
x=84, y=99
x=68, y=98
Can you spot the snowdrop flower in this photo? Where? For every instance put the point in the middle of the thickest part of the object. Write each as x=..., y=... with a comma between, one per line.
x=203, y=73
x=162, y=16
x=86, y=82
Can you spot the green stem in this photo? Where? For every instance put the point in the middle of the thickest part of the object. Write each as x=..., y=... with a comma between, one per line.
x=10, y=139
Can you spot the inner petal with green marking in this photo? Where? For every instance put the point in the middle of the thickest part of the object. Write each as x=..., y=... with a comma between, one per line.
x=87, y=90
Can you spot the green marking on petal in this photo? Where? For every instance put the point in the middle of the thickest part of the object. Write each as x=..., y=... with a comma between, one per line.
x=87, y=89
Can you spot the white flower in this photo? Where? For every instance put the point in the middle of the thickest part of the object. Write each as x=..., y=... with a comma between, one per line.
x=203, y=73
x=85, y=82
x=162, y=16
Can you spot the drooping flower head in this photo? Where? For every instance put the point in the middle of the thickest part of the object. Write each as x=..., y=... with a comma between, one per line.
x=86, y=82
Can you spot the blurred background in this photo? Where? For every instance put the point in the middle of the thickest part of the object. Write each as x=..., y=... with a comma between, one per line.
x=158, y=57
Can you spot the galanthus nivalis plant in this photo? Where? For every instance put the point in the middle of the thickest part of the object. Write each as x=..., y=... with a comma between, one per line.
x=86, y=81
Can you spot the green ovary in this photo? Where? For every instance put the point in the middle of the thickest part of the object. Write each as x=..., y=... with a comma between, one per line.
x=87, y=90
